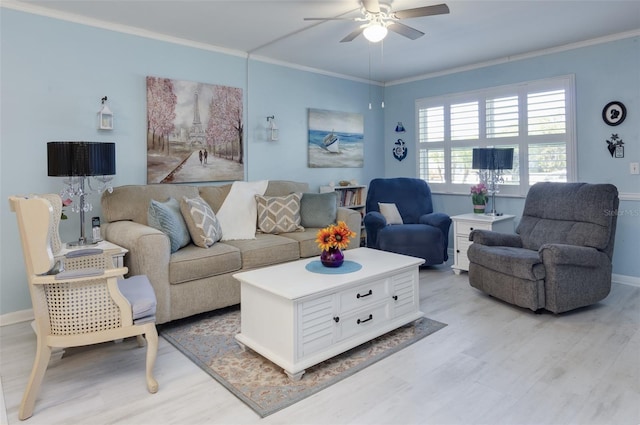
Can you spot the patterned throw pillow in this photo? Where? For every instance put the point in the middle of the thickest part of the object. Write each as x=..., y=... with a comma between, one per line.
x=166, y=217
x=279, y=214
x=202, y=222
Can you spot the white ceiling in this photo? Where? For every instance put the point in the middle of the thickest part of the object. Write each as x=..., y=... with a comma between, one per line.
x=474, y=32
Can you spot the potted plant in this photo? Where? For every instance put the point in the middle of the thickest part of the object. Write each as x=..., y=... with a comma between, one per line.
x=479, y=197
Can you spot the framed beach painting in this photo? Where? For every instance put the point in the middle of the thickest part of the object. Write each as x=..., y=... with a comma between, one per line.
x=194, y=132
x=336, y=139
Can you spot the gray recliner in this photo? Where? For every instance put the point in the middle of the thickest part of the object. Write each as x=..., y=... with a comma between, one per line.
x=560, y=258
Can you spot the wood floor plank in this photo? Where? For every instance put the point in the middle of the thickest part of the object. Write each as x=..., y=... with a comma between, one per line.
x=493, y=364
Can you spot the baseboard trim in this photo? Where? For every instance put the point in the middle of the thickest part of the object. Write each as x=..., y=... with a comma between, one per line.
x=27, y=315
x=16, y=317
x=626, y=280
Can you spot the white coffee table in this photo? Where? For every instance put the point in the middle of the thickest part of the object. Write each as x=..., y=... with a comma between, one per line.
x=297, y=318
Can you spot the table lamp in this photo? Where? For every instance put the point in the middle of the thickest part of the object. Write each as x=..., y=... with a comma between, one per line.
x=79, y=161
x=491, y=163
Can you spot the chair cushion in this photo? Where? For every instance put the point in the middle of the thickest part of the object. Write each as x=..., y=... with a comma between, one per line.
x=519, y=262
x=318, y=209
x=166, y=217
x=279, y=214
x=139, y=292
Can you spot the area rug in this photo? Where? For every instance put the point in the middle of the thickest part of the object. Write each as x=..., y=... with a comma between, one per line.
x=208, y=340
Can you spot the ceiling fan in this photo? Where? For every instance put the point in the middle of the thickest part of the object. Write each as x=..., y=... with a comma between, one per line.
x=378, y=19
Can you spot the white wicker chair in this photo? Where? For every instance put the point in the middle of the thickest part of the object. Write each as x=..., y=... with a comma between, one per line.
x=87, y=303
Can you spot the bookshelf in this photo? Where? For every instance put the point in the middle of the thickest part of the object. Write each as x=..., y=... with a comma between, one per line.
x=354, y=197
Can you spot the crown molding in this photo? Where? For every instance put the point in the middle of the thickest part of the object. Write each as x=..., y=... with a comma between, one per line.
x=513, y=58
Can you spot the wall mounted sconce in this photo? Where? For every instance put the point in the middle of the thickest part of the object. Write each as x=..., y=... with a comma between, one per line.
x=400, y=127
x=273, y=132
x=105, y=116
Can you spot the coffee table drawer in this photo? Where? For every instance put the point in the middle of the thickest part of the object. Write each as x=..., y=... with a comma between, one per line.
x=363, y=295
x=363, y=320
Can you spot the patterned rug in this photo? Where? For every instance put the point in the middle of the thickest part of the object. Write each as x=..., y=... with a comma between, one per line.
x=208, y=340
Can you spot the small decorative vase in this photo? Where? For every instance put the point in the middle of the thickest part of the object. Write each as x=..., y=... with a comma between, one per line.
x=332, y=257
x=479, y=209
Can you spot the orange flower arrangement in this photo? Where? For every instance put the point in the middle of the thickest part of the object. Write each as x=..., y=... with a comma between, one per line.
x=334, y=236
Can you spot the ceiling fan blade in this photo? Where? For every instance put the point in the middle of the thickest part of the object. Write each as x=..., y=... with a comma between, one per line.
x=352, y=35
x=328, y=19
x=438, y=9
x=371, y=6
x=402, y=29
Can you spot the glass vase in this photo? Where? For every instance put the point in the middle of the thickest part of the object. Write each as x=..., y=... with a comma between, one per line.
x=332, y=257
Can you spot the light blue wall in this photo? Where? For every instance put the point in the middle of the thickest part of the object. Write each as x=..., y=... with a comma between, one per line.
x=603, y=72
x=54, y=73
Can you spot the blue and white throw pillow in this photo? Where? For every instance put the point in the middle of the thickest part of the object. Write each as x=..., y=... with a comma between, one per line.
x=201, y=221
x=166, y=217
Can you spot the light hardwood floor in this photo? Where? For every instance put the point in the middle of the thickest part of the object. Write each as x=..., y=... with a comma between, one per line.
x=493, y=364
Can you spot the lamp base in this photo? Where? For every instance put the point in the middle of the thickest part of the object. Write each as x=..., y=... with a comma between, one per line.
x=84, y=242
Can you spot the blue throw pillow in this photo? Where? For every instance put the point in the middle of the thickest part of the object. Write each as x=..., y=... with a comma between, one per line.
x=166, y=217
x=318, y=209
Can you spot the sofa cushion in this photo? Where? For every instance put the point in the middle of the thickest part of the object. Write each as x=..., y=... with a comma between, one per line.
x=192, y=262
x=214, y=195
x=518, y=262
x=266, y=250
x=132, y=202
x=166, y=217
x=279, y=214
x=285, y=187
x=238, y=213
x=306, y=242
x=318, y=209
x=202, y=222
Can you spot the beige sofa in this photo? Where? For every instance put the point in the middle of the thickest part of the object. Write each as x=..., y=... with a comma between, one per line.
x=194, y=280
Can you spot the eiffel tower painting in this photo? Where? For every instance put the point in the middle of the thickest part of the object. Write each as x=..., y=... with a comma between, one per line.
x=196, y=132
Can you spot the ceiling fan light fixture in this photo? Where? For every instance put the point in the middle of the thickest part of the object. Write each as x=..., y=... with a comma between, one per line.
x=375, y=32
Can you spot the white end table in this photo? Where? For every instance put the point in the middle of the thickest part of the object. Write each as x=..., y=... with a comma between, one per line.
x=117, y=252
x=463, y=224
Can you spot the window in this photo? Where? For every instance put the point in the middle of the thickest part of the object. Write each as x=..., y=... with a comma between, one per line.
x=535, y=118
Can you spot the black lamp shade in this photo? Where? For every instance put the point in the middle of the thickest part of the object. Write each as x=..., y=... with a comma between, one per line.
x=81, y=159
x=492, y=159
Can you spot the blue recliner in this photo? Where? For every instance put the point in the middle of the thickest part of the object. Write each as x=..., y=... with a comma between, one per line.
x=423, y=234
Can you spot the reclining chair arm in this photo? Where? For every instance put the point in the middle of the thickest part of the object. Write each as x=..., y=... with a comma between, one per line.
x=571, y=255
x=435, y=219
x=491, y=238
x=373, y=222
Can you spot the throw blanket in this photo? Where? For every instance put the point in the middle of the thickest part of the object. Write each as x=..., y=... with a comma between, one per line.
x=238, y=214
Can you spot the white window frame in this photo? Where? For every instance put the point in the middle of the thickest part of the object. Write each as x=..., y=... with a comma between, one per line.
x=566, y=82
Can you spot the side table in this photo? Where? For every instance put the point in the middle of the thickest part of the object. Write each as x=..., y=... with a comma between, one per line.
x=117, y=252
x=463, y=224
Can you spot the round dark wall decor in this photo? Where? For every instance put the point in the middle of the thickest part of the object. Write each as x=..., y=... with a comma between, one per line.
x=614, y=113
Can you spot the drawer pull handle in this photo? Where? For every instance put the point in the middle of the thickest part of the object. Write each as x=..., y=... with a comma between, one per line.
x=395, y=298
x=365, y=295
x=365, y=320
x=336, y=319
